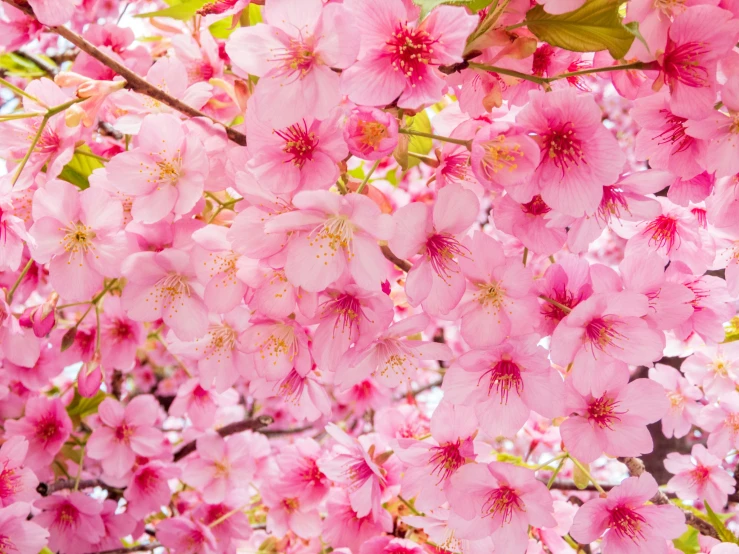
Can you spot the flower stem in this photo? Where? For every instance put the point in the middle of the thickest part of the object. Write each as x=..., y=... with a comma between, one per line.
x=409, y=506
x=627, y=66
x=91, y=155
x=79, y=468
x=20, y=91
x=587, y=473
x=437, y=137
x=30, y=150
x=17, y=283
x=556, y=472
x=367, y=178
x=511, y=73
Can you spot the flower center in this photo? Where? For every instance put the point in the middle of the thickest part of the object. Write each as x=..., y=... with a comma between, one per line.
x=291, y=387
x=281, y=342
x=683, y=63
x=217, y=7
x=627, y=523
x=664, y=232
x=491, y=295
x=348, y=312
x=78, y=238
x=410, y=51
x=373, y=132
x=222, y=339
x=441, y=249
x=299, y=143
x=676, y=399
x=670, y=8
x=500, y=155
x=612, y=203
x=504, y=376
x=338, y=231
x=298, y=57
x=10, y=483
x=503, y=501
x=555, y=313
x=446, y=459
x=537, y=206
x=601, y=333
x=563, y=147
x=67, y=516
x=169, y=290
x=602, y=412
x=48, y=143
x=47, y=428
x=700, y=475
x=542, y=59
x=169, y=170
x=674, y=132
x=123, y=433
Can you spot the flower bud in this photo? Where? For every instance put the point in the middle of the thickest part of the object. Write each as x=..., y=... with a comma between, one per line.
x=41, y=318
x=90, y=377
x=370, y=133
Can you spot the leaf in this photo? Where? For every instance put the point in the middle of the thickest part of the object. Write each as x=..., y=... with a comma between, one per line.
x=633, y=28
x=594, y=27
x=419, y=145
x=580, y=478
x=80, y=167
x=428, y=5
x=68, y=339
x=16, y=65
x=723, y=533
x=182, y=11
x=82, y=407
x=688, y=541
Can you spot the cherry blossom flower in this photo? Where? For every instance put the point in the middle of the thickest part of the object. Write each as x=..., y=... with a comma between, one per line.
x=625, y=522
x=73, y=521
x=370, y=134
x=17, y=483
x=699, y=476
x=684, y=400
x=17, y=534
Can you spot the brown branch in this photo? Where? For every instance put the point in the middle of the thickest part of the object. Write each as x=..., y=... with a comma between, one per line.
x=247, y=425
x=636, y=468
x=570, y=486
x=400, y=264
x=45, y=489
x=135, y=82
x=140, y=548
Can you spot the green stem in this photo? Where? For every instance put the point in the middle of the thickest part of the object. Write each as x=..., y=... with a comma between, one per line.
x=91, y=155
x=563, y=456
x=367, y=178
x=23, y=115
x=20, y=91
x=17, y=283
x=79, y=469
x=589, y=476
x=556, y=472
x=511, y=73
x=437, y=137
x=411, y=508
x=516, y=26
x=30, y=150
x=628, y=66
x=562, y=307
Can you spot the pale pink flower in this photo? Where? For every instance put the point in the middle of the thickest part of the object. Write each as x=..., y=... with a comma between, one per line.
x=165, y=173
x=579, y=156
x=17, y=482
x=699, y=476
x=714, y=368
x=233, y=524
x=557, y=7
x=294, y=55
x=391, y=359
x=533, y=223
x=300, y=475
x=390, y=545
x=53, y=12
x=696, y=41
x=301, y=156
x=117, y=526
x=17, y=534
x=626, y=523
x=125, y=433
x=162, y=285
x=185, y=536
x=80, y=235
x=398, y=58
x=435, y=232
x=290, y=514
x=120, y=336
x=684, y=400
x=370, y=133
x=567, y=282
x=443, y=528
x=201, y=57
x=615, y=422
x=504, y=156
x=500, y=300
x=222, y=465
x=350, y=315
x=216, y=266
x=504, y=384
x=18, y=345
x=675, y=234
x=148, y=490
x=500, y=501
x=73, y=521
x=722, y=422
x=278, y=346
x=13, y=235
x=17, y=29
x=600, y=330
x=344, y=527
x=686, y=191
x=362, y=471
x=273, y=295
x=431, y=463
x=333, y=233
x=46, y=427
x=199, y=404
x=304, y=396
x=663, y=139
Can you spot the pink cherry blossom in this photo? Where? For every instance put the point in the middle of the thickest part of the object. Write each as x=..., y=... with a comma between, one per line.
x=625, y=522
x=17, y=482
x=684, y=400
x=370, y=134
x=699, y=476
x=73, y=521
x=17, y=534
x=148, y=490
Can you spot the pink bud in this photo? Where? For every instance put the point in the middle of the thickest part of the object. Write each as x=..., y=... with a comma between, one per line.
x=41, y=318
x=70, y=79
x=90, y=377
x=91, y=88
x=370, y=133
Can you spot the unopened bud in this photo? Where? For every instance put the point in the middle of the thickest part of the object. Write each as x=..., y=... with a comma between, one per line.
x=41, y=318
x=90, y=377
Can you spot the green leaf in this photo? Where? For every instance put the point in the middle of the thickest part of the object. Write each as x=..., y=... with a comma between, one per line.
x=419, y=145
x=723, y=533
x=428, y=5
x=594, y=27
x=223, y=28
x=688, y=541
x=80, y=167
x=16, y=65
x=81, y=407
x=580, y=478
x=182, y=11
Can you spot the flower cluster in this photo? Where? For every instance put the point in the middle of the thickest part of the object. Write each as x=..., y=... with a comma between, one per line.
x=369, y=276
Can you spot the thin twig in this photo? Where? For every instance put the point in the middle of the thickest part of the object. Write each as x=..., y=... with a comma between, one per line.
x=400, y=264
x=247, y=425
x=140, y=548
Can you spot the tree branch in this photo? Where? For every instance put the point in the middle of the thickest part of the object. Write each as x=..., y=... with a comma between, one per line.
x=45, y=489
x=140, y=548
x=247, y=425
x=135, y=82
x=400, y=264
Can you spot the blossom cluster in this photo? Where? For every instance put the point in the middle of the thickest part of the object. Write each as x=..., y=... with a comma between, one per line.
x=369, y=276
